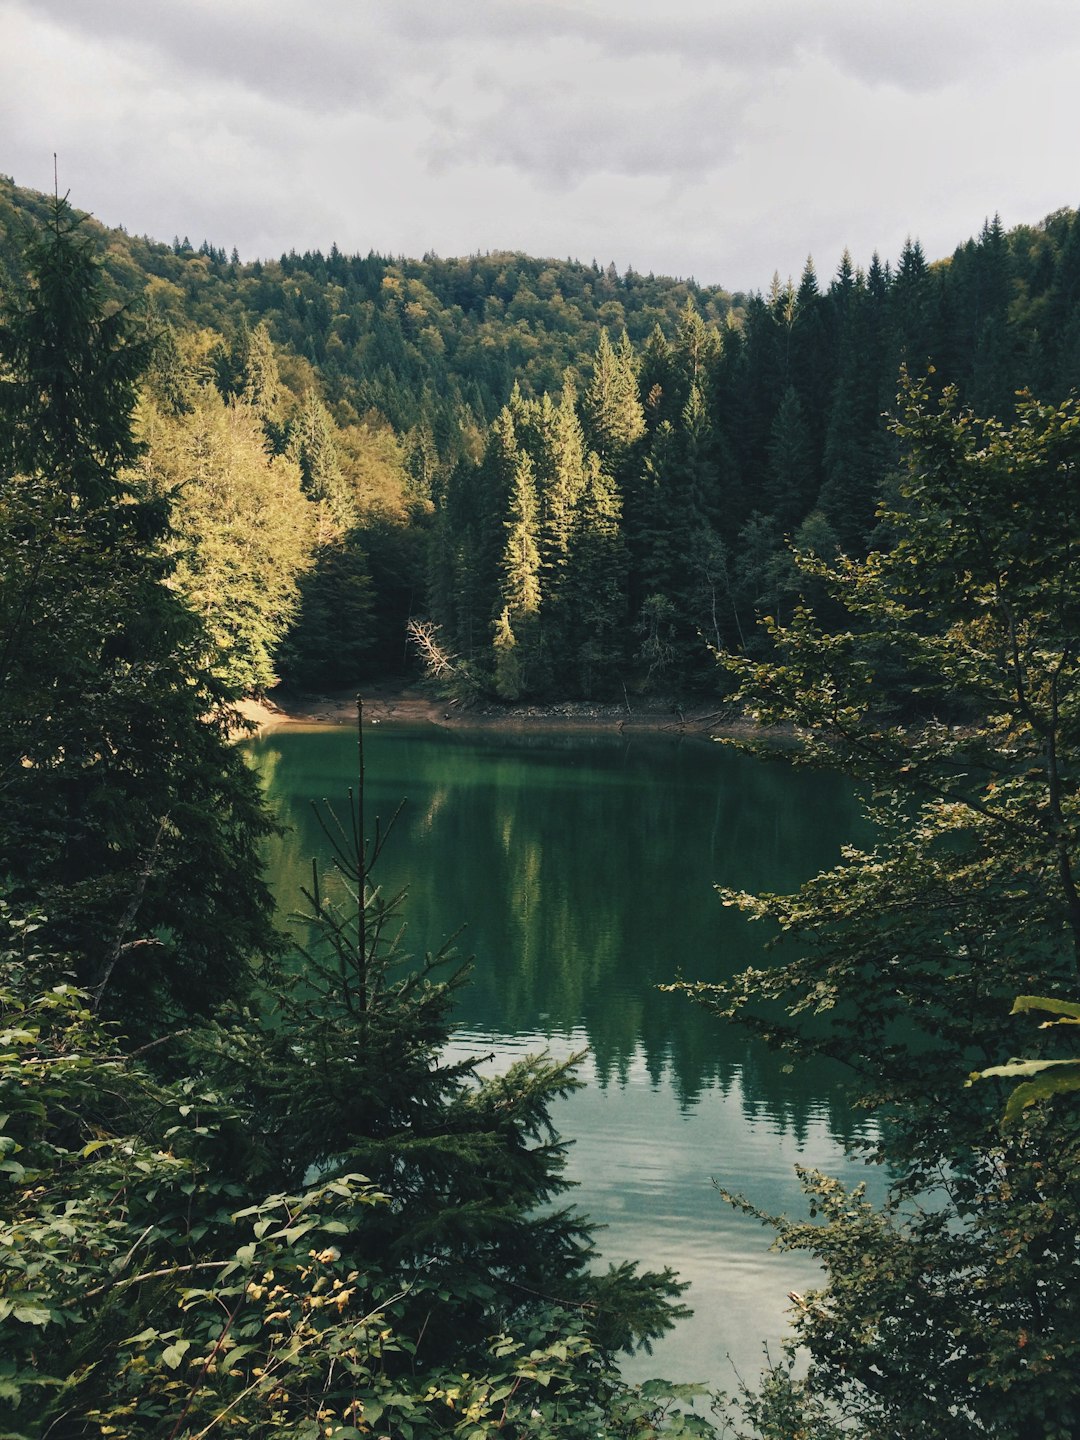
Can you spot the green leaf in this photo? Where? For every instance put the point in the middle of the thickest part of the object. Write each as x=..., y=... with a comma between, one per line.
x=1043, y=1088
x=1017, y=1068
x=1024, y=1003
x=174, y=1353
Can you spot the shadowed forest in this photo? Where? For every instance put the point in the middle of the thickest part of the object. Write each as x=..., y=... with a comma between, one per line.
x=248, y=1186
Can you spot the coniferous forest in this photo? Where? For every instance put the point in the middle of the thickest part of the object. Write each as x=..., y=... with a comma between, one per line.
x=246, y=1189
x=581, y=481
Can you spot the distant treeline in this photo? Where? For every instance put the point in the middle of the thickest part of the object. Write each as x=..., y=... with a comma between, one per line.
x=578, y=480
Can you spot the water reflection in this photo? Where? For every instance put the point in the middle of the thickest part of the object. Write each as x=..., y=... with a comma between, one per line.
x=585, y=869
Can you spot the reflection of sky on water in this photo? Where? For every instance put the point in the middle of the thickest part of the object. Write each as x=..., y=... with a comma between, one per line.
x=585, y=867
x=648, y=1170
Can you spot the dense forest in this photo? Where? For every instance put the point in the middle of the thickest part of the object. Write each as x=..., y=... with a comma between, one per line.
x=244, y=1187
x=579, y=483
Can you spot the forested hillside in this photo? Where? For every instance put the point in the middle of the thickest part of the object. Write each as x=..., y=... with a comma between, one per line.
x=235, y=1199
x=581, y=481
x=232, y=1202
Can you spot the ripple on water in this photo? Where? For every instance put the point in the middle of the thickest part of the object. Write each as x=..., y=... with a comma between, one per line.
x=649, y=1171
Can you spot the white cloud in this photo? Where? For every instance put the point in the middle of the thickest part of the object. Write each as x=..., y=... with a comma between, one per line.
x=721, y=139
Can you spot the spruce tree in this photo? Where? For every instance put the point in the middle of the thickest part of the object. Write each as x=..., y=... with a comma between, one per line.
x=313, y=445
x=520, y=588
x=611, y=408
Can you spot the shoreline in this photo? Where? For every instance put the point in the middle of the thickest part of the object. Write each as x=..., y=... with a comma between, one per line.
x=389, y=704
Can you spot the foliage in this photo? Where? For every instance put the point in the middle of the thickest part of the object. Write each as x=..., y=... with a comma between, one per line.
x=951, y=693
x=146, y=1288
x=127, y=814
x=242, y=531
x=333, y=631
x=720, y=425
x=200, y=1254
x=1054, y=1077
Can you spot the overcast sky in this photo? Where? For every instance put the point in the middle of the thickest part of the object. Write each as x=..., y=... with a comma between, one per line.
x=724, y=139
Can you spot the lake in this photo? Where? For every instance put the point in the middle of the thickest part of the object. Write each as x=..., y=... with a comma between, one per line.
x=583, y=867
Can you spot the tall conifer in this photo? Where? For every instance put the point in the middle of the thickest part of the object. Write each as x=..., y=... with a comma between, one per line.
x=128, y=817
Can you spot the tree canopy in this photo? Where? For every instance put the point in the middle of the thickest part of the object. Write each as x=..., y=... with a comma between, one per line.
x=949, y=691
x=127, y=814
x=240, y=1190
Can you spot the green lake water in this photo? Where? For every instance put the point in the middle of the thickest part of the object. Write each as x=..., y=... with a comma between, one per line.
x=583, y=867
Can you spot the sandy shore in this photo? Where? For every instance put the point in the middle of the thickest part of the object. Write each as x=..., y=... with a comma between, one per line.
x=386, y=703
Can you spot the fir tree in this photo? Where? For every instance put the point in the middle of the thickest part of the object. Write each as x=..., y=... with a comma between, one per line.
x=611, y=408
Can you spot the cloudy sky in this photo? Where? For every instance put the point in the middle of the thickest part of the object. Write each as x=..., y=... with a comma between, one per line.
x=723, y=139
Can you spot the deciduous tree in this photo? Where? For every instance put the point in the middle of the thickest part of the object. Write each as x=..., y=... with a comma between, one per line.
x=126, y=813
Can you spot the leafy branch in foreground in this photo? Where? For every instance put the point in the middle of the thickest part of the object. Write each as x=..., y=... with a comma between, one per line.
x=949, y=689
x=1042, y=1079
x=316, y=1226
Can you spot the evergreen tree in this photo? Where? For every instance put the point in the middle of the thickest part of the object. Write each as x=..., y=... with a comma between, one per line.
x=313, y=446
x=594, y=589
x=790, y=483
x=507, y=675
x=551, y=436
x=259, y=381
x=955, y=1301
x=333, y=634
x=913, y=311
x=169, y=375
x=814, y=362
x=128, y=817
x=611, y=408
x=520, y=587
x=656, y=380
